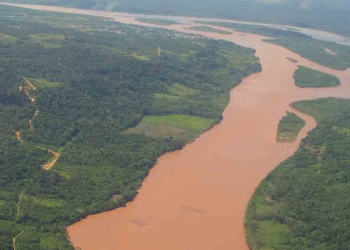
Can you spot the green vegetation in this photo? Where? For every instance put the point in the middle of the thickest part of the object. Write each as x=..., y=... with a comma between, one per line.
x=42, y=83
x=181, y=90
x=314, y=50
x=303, y=203
x=210, y=29
x=92, y=93
x=157, y=21
x=289, y=127
x=182, y=121
x=183, y=127
x=48, y=40
x=292, y=60
x=7, y=39
x=299, y=43
x=310, y=78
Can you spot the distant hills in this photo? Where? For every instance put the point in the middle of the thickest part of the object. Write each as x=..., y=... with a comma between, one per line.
x=331, y=15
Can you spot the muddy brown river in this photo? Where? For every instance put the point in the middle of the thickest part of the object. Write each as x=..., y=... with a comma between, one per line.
x=195, y=198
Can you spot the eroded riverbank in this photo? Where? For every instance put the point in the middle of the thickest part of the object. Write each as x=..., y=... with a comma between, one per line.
x=196, y=198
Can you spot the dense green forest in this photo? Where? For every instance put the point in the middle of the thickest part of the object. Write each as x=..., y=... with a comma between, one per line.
x=329, y=54
x=304, y=202
x=321, y=14
x=95, y=83
x=310, y=78
x=289, y=127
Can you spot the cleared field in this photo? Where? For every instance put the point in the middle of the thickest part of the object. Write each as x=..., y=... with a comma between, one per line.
x=42, y=83
x=181, y=90
x=50, y=41
x=180, y=127
x=182, y=121
x=140, y=56
x=310, y=78
x=46, y=37
x=7, y=39
x=210, y=29
x=50, y=203
x=157, y=21
x=166, y=97
x=289, y=127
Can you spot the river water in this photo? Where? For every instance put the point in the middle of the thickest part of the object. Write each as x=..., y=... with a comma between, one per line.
x=195, y=198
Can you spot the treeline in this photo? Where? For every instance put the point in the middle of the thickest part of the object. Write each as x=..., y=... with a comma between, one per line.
x=303, y=203
x=108, y=75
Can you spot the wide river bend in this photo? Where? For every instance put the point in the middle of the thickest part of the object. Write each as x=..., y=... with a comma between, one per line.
x=195, y=198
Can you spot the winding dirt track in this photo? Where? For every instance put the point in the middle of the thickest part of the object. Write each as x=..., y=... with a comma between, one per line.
x=56, y=155
x=196, y=198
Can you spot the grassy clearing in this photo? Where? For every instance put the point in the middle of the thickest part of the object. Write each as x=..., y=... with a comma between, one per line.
x=166, y=97
x=180, y=127
x=46, y=37
x=50, y=203
x=42, y=83
x=289, y=127
x=7, y=39
x=156, y=129
x=310, y=78
x=182, y=121
x=50, y=41
x=292, y=60
x=210, y=29
x=275, y=235
x=140, y=56
x=181, y=90
x=157, y=21
x=62, y=174
x=2, y=202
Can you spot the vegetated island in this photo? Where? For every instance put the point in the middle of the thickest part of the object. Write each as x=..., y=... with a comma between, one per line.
x=157, y=21
x=299, y=43
x=210, y=29
x=111, y=102
x=289, y=127
x=310, y=78
x=292, y=60
x=304, y=202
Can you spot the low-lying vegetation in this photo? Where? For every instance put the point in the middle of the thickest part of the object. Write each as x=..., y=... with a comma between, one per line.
x=292, y=60
x=303, y=203
x=289, y=127
x=310, y=78
x=182, y=128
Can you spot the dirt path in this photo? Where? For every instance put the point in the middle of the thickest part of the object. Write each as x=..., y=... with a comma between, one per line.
x=30, y=84
x=18, y=135
x=50, y=164
x=14, y=240
x=19, y=204
x=56, y=155
x=31, y=119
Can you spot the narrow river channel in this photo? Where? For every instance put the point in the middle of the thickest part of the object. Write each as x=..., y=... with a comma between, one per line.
x=196, y=198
